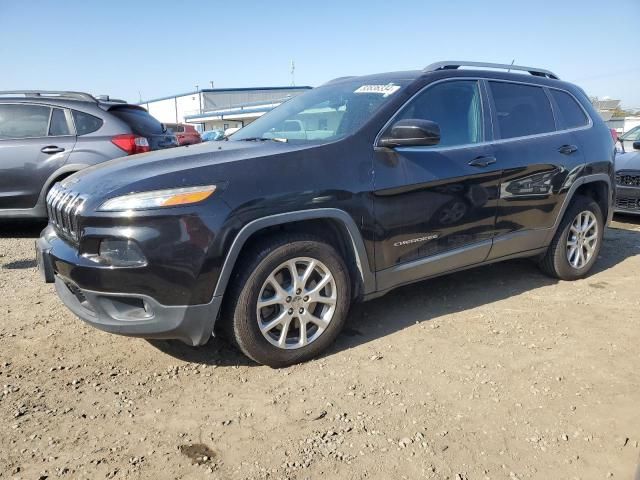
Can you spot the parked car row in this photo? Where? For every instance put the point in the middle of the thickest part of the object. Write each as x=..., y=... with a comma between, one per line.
x=46, y=136
x=212, y=135
x=186, y=134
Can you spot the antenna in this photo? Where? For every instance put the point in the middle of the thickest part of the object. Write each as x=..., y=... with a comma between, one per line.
x=293, y=71
x=211, y=82
x=511, y=64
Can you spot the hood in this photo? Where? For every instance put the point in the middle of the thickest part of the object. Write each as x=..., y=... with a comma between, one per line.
x=199, y=164
x=628, y=161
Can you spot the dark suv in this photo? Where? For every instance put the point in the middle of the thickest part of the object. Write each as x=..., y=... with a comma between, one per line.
x=46, y=136
x=389, y=179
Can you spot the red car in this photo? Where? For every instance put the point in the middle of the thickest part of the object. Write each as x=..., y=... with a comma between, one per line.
x=186, y=134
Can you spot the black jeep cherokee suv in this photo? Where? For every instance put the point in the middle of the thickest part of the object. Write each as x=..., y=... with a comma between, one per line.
x=345, y=192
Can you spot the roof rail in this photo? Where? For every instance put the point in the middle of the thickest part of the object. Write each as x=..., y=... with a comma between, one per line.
x=452, y=65
x=50, y=94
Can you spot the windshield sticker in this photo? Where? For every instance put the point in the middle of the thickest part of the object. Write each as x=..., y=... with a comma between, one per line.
x=384, y=90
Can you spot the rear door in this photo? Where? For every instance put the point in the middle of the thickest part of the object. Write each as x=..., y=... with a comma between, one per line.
x=435, y=206
x=537, y=156
x=35, y=140
x=143, y=124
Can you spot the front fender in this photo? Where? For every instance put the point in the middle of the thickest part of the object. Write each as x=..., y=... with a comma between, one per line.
x=357, y=244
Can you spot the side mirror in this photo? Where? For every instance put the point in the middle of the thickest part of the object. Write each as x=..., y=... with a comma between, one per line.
x=636, y=145
x=411, y=132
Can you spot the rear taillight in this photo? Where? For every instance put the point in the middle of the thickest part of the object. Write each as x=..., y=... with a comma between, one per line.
x=131, y=143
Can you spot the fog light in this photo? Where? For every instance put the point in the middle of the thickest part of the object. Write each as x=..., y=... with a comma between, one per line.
x=120, y=253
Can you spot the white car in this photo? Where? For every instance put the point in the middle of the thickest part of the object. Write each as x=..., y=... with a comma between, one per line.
x=626, y=140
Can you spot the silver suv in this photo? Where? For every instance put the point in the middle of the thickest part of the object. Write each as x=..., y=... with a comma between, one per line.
x=46, y=136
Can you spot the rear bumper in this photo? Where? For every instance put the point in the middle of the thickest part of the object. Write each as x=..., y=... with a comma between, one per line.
x=130, y=314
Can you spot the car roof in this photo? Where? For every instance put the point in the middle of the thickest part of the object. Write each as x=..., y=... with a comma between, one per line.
x=415, y=75
x=377, y=78
x=74, y=100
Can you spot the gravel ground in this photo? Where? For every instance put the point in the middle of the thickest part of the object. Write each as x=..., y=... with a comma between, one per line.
x=497, y=372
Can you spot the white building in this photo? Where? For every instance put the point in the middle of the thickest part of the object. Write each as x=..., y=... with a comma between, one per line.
x=219, y=108
x=608, y=108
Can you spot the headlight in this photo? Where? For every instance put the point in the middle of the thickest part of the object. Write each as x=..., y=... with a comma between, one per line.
x=158, y=199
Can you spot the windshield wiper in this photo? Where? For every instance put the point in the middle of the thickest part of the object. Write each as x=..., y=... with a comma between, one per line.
x=264, y=139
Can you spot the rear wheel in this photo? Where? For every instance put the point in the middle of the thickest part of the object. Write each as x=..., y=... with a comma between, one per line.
x=577, y=242
x=288, y=300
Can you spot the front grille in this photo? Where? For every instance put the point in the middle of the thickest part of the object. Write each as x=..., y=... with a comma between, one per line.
x=628, y=203
x=63, y=207
x=628, y=179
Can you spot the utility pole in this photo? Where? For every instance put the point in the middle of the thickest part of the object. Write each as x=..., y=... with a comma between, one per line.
x=199, y=99
x=293, y=71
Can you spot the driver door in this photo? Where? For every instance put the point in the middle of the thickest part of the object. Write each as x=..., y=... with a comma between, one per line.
x=436, y=206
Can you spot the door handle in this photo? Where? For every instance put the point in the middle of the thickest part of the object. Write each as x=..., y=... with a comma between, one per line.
x=567, y=149
x=482, y=161
x=52, y=149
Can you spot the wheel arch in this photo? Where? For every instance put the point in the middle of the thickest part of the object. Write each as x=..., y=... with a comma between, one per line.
x=598, y=190
x=60, y=174
x=343, y=234
x=597, y=186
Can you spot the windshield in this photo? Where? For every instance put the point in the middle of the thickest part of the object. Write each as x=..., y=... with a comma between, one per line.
x=323, y=114
x=140, y=121
x=632, y=135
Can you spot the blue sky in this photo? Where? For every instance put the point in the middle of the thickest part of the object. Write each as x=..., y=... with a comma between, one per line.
x=162, y=48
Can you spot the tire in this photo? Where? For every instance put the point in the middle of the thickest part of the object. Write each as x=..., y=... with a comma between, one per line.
x=268, y=263
x=555, y=262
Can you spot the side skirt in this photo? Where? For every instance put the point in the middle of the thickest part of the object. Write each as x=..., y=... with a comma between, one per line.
x=489, y=261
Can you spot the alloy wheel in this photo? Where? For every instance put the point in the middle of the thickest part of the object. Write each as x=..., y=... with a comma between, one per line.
x=296, y=303
x=582, y=239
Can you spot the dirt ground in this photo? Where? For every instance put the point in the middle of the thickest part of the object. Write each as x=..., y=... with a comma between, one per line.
x=497, y=372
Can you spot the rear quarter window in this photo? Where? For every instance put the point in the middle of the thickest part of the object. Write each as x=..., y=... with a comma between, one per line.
x=522, y=110
x=85, y=123
x=570, y=114
x=139, y=120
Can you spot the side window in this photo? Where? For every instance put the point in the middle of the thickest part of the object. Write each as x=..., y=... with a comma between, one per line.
x=521, y=109
x=456, y=106
x=174, y=127
x=24, y=121
x=85, y=123
x=570, y=115
x=58, y=125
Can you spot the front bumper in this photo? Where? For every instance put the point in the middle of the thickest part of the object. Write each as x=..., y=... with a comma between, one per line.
x=627, y=200
x=130, y=314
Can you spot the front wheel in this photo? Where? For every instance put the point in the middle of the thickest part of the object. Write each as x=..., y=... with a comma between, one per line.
x=288, y=300
x=577, y=242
